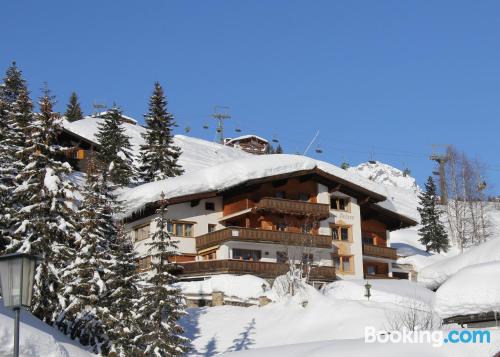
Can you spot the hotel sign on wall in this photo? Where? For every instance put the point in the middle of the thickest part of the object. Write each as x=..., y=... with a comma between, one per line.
x=344, y=216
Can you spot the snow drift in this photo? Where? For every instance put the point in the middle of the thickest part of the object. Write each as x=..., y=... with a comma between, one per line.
x=471, y=290
x=436, y=274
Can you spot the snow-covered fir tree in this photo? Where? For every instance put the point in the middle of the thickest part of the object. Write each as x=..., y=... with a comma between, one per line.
x=161, y=304
x=159, y=156
x=73, y=109
x=85, y=288
x=123, y=283
x=114, y=148
x=15, y=106
x=433, y=234
x=46, y=217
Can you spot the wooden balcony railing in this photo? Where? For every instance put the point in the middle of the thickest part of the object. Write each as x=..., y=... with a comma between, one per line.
x=378, y=276
x=284, y=206
x=379, y=251
x=261, y=235
x=262, y=269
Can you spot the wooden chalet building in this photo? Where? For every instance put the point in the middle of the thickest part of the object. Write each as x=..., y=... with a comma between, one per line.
x=262, y=221
x=252, y=144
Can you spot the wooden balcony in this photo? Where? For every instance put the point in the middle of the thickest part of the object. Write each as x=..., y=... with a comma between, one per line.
x=293, y=207
x=261, y=235
x=262, y=269
x=379, y=251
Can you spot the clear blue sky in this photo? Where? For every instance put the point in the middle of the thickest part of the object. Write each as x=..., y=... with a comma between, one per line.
x=388, y=77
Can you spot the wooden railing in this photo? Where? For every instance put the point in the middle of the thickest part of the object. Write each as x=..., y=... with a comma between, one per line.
x=262, y=269
x=378, y=276
x=261, y=235
x=379, y=251
x=319, y=210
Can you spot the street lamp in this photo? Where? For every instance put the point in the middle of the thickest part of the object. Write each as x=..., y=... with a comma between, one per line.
x=16, y=277
x=367, y=288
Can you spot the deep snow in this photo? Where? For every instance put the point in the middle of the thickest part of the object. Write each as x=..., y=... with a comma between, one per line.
x=37, y=339
x=471, y=290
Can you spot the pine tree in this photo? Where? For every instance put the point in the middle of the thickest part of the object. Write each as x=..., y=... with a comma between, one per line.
x=45, y=215
x=159, y=156
x=123, y=282
x=86, y=315
x=432, y=233
x=73, y=109
x=13, y=84
x=14, y=106
x=278, y=150
x=161, y=304
x=115, y=149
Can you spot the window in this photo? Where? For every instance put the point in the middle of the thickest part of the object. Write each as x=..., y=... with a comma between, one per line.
x=247, y=254
x=342, y=233
x=211, y=228
x=180, y=229
x=144, y=264
x=281, y=226
x=343, y=263
x=141, y=233
x=339, y=204
x=280, y=194
x=210, y=206
x=371, y=270
x=306, y=228
x=281, y=257
x=307, y=258
x=303, y=197
x=368, y=238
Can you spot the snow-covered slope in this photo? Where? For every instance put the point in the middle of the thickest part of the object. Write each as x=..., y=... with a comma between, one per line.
x=435, y=274
x=387, y=175
x=399, y=292
x=471, y=290
x=196, y=153
x=37, y=339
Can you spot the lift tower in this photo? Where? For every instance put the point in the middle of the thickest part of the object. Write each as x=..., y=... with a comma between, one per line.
x=220, y=114
x=441, y=160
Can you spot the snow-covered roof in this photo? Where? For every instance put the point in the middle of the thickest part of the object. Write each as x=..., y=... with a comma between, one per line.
x=101, y=114
x=236, y=172
x=196, y=153
x=472, y=290
x=243, y=137
x=219, y=167
x=436, y=274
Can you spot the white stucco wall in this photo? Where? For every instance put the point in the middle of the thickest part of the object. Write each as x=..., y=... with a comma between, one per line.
x=182, y=212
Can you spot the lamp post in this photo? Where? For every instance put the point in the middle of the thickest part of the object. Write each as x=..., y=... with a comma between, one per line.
x=367, y=288
x=16, y=277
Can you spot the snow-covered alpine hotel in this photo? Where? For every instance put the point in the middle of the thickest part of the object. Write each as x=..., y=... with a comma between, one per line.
x=251, y=214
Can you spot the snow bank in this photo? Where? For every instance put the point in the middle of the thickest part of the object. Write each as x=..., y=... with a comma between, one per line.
x=37, y=339
x=244, y=287
x=471, y=290
x=196, y=153
x=398, y=292
x=436, y=274
x=420, y=261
